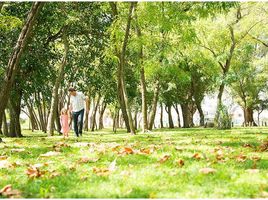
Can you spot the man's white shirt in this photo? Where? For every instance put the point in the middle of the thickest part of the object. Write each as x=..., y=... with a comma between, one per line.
x=77, y=101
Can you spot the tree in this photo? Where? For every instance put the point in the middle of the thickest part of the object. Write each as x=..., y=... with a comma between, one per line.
x=13, y=64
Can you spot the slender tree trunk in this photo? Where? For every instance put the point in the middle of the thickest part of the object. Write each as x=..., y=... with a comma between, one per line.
x=161, y=116
x=119, y=74
x=102, y=110
x=1, y=126
x=122, y=68
x=170, y=120
x=93, y=124
x=55, y=96
x=5, y=126
x=86, y=114
x=154, y=105
x=178, y=115
x=142, y=80
x=201, y=114
x=13, y=63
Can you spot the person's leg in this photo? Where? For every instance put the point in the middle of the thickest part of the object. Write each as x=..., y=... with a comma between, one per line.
x=81, y=118
x=75, y=120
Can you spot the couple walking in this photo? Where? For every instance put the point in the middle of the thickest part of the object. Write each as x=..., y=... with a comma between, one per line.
x=77, y=109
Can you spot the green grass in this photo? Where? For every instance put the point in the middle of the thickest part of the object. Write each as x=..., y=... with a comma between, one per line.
x=140, y=176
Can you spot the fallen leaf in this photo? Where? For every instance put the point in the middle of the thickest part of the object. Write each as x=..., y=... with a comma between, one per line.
x=54, y=174
x=16, y=164
x=34, y=172
x=81, y=144
x=197, y=156
x=246, y=145
x=87, y=160
x=180, y=162
x=241, y=158
x=101, y=171
x=164, y=158
x=207, y=170
x=50, y=153
x=7, y=191
x=263, y=146
x=253, y=171
x=61, y=144
x=256, y=158
x=3, y=157
x=128, y=150
x=146, y=151
x=17, y=150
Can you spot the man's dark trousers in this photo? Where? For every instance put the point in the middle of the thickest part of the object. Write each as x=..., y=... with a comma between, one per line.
x=78, y=122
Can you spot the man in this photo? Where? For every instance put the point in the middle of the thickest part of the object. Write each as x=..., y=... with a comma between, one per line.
x=77, y=109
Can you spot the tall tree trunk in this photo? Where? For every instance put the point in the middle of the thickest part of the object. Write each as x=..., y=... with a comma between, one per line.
x=122, y=68
x=201, y=113
x=248, y=117
x=170, y=120
x=185, y=115
x=102, y=110
x=154, y=105
x=120, y=94
x=161, y=116
x=5, y=126
x=86, y=114
x=142, y=80
x=178, y=114
x=55, y=96
x=40, y=112
x=93, y=124
x=13, y=63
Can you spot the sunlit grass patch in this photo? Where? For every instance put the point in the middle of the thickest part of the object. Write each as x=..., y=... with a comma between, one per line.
x=163, y=164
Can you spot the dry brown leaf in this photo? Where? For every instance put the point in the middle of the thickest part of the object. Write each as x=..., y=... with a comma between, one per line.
x=7, y=191
x=253, y=171
x=255, y=158
x=87, y=160
x=180, y=162
x=241, y=158
x=128, y=150
x=197, y=156
x=81, y=144
x=17, y=150
x=61, y=144
x=101, y=171
x=50, y=153
x=145, y=151
x=207, y=170
x=54, y=174
x=34, y=172
x=3, y=157
x=246, y=145
x=263, y=146
x=164, y=158
x=16, y=164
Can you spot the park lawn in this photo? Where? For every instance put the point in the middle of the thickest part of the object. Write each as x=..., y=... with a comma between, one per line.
x=140, y=174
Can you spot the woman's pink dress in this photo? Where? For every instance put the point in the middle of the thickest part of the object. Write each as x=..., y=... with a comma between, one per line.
x=64, y=124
